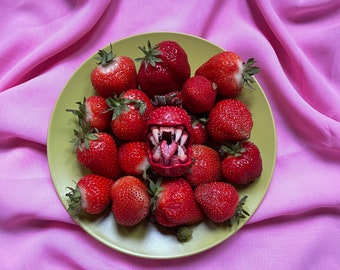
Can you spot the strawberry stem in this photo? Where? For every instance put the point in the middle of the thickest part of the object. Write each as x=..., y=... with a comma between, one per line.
x=240, y=212
x=248, y=71
x=104, y=57
x=120, y=104
x=74, y=206
x=151, y=55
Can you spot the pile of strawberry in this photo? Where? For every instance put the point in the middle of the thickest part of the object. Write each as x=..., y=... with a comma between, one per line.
x=164, y=146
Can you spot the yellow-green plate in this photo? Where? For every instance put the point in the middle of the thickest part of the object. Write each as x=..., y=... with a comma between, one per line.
x=145, y=240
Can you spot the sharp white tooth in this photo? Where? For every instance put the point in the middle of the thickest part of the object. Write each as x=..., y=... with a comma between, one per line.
x=178, y=134
x=156, y=156
x=155, y=133
x=152, y=139
x=184, y=138
x=181, y=154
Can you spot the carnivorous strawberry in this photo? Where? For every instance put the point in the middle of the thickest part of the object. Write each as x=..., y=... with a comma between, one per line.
x=242, y=163
x=230, y=120
x=91, y=194
x=228, y=72
x=169, y=142
x=164, y=68
x=130, y=200
x=113, y=74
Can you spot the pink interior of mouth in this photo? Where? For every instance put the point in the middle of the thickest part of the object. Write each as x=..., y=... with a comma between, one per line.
x=168, y=145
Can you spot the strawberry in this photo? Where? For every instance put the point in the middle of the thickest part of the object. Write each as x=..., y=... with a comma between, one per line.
x=174, y=204
x=92, y=194
x=98, y=152
x=230, y=120
x=133, y=157
x=164, y=68
x=199, y=133
x=206, y=165
x=220, y=201
x=130, y=200
x=94, y=110
x=169, y=142
x=113, y=74
x=243, y=163
x=130, y=112
x=198, y=95
x=228, y=72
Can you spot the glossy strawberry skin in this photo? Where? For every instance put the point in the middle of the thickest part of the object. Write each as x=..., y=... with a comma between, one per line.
x=94, y=192
x=168, y=74
x=97, y=113
x=115, y=77
x=101, y=157
x=161, y=160
x=244, y=168
x=199, y=133
x=176, y=205
x=131, y=125
x=130, y=201
x=133, y=157
x=198, y=95
x=225, y=69
x=218, y=200
x=206, y=165
x=230, y=120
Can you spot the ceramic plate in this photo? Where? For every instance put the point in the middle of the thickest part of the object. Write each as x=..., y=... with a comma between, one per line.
x=145, y=240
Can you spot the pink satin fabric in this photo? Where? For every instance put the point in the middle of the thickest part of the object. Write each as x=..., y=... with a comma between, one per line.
x=296, y=44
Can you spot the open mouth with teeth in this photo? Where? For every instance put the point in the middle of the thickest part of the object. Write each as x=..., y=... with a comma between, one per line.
x=169, y=147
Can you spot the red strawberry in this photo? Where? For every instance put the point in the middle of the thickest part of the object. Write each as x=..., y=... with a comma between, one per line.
x=163, y=69
x=95, y=111
x=130, y=200
x=230, y=120
x=113, y=74
x=199, y=132
x=243, y=163
x=175, y=204
x=92, y=194
x=98, y=152
x=206, y=165
x=169, y=143
x=130, y=112
x=133, y=157
x=198, y=95
x=227, y=70
x=218, y=200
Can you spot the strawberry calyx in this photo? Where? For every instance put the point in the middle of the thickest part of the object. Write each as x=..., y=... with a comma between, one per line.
x=197, y=120
x=74, y=206
x=105, y=57
x=233, y=149
x=120, y=104
x=83, y=136
x=151, y=55
x=171, y=99
x=154, y=189
x=240, y=212
x=248, y=71
x=81, y=111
